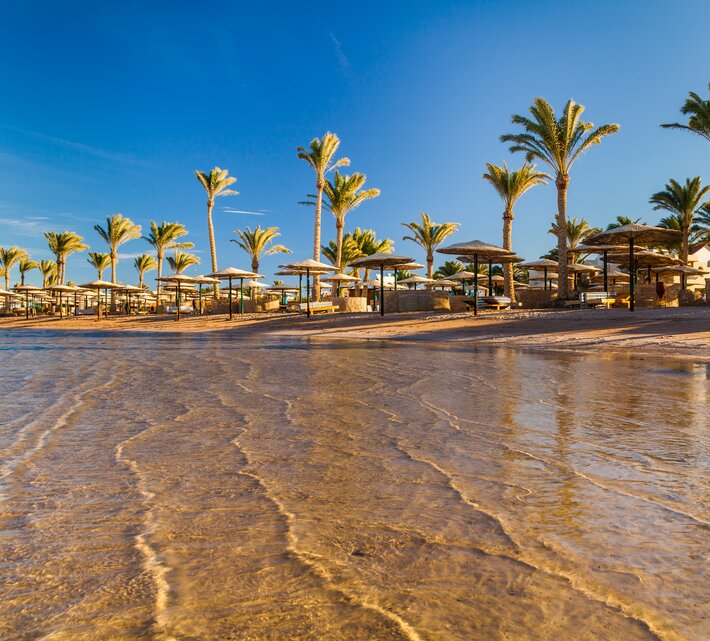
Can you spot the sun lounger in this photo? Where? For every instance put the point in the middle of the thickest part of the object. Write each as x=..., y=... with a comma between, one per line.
x=319, y=308
x=184, y=309
x=496, y=302
x=596, y=299
x=86, y=312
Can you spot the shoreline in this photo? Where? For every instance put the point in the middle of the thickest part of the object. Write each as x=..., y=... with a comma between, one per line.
x=676, y=332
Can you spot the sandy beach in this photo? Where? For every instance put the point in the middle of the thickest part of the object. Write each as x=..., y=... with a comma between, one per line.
x=682, y=332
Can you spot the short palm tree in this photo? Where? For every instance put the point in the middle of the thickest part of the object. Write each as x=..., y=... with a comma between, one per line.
x=62, y=245
x=429, y=235
x=257, y=243
x=320, y=156
x=624, y=220
x=557, y=142
x=48, y=269
x=685, y=202
x=144, y=263
x=345, y=193
x=368, y=244
x=511, y=185
x=99, y=261
x=118, y=230
x=215, y=183
x=577, y=230
x=698, y=111
x=702, y=224
x=449, y=268
x=349, y=251
x=181, y=261
x=26, y=265
x=163, y=237
x=8, y=258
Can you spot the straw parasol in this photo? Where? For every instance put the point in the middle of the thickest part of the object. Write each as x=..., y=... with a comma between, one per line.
x=410, y=266
x=204, y=280
x=644, y=259
x=98, y=285
x=308, y=267
x=415, y=280
x=442, y=282
x=463, y=276
x=60, y=289
x=633, y=233
x=230, y=273
x=542, y=264
x=478, y=250
x=340, y=278
x=179, y=280
x=382, y=261
x=683, y=270
x=29, y=290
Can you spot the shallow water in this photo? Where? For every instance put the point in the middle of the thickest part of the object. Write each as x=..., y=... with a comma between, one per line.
x=207, y=487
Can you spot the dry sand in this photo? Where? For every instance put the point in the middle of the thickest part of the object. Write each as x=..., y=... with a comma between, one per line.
x=671, y=331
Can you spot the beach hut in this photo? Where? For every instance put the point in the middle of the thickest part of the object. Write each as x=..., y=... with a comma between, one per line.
x=633, y=234
x=382, y=261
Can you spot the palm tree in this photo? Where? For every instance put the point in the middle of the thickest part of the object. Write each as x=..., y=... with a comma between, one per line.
x=144, y=263
x=62, y=245
x=624, y=220
x=685, y=202
x=344, y=194
x=449, y=268
x=99, y=261
x=702, y=224
x=215, y=183
x=8, y=257
x=25, y=265
x=699, y=112
x=163, y=237
x=577, y=230
x=511, y=185
x=349, y=251
x=558, y=142
x=48, y=269
x=429, y=235
x=256, y=243
x=319, y=156
x=181, y=261
x=118, y=230
x=368, y=244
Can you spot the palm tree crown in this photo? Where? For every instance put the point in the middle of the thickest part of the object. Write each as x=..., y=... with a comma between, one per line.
x=143, y=264
x=62, y=245
x=429, y=235
x=26, y=264
x=99, y=261
x=698, y=111
x=558, y=142
x=118, y=230
x=576, y=231
x=257, y=243
x=163, y=237
x=685, y=203
x=349, y=252
x=48, y=269
x=702, y=224
x=449, y=268
x=181, y=261
x=8, y=257
x=624, y=220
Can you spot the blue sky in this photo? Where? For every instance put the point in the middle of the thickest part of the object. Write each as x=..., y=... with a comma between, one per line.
x=110, y=107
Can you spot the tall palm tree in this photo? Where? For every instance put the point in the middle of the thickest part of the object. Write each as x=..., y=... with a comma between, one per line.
x=511, y=185
x=62, y=245
x=215, y=183
x=449, y=268
x=118, y=230
x=345, y=193
x=349, y=252
x=144, y=263
x=48, y=269
x=576, y=231
x=699, y=112
x=257, y=243
x=163, y=237
x=558, y=142
x=702, y=224
x=25, y=265
x=99, y=261
x=319, y=156
x=429, y=235
x=9, y=256
x=624, y=220
x=685, y=202
x=181, y=261
x=367, y=242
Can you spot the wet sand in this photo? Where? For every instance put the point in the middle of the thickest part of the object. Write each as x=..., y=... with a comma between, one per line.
x=233, y=485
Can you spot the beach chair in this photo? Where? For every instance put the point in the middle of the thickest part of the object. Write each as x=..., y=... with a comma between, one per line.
x=596, y=299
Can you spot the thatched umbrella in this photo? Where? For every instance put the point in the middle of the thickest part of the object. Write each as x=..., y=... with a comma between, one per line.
x=442, y=282
x=98, y=285
x=29, y=290
x=683, y=270
x=179, y=280
x=230, y=273
x=415, y=280
x=644, y=258
x=463, y=276
x=633, y=234
x=604, y=250
x=308, y=267
x=204, y=280
x=478, y=251
x=60, y=289
x=382, y=261
x=338, y=279
x=544, y=264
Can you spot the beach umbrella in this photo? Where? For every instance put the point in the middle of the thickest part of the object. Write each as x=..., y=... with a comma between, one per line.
x=644, y=259
x=604, y=250
x=308, y=267
x=462, y=276
x=544, y=264
x=128, y=290
x=230, y=273
x=633, y=234
x=59, y=289
x=340, y=278
x=442, y=282
x=683, y=270
x=204, y=280
x=98, y=285
x=381, y=261
x=415, y=280
x=178, y=280
x=502, y=259
x=478, y=251
x=29, y=290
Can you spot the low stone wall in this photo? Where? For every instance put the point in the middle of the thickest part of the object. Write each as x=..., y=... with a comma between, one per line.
x=350, y=303
x=535, y=298
x=416, y=301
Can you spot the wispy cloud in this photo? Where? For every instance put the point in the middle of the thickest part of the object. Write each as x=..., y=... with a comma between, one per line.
x=343, y=61
x=259, y=212
x=23, y=226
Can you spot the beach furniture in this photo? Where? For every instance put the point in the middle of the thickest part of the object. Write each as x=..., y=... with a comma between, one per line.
x=496, y=302
x=318, y=307
x=596, y=299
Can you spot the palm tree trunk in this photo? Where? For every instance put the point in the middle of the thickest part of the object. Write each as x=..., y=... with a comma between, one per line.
x=508, y=289
x=160, y=275
x=255, y=264
x=562, y=182
x=339, y=227
x=213, y=247
x=7, y=288
x=114, y=261
x=316, y=235
x=685, y=248
x=61, y=272
x=429, y=264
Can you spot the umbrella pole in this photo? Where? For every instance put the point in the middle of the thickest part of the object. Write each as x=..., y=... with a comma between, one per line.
x=178, y=300
x=544, y=282
x=75, y=304
x=490, y=277
x=657, y=274
x=649, y=273
x=61, y=313
x=475, y=284
x=230, y=298
x=27, y=305
x=382, y=289
x=606, y=271
x=300, y=288
x=632, y=275
x=241, y=295
x=308, y=293
x=98, y=304
x=199, y=289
